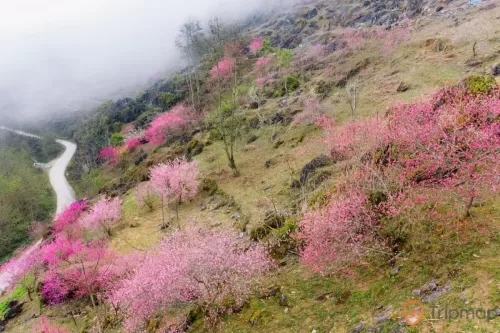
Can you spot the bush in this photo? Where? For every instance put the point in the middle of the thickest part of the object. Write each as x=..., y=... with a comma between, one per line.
x=292, y=82
x=116, y=139
x=480, y=84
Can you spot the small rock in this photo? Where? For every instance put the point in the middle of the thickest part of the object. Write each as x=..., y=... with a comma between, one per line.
x=398, y=329
x=375, y=329
x=283, y=102
x=402, y=87
x=497, y=312
x=384, y=315
x=283, y=300
x=323, y=297
x=268, y=164
x=215, y=223
x=133, y=224
x=358, y=328
x=252, y=138
x=235, y=216
x=495, y=69
x=395, y=270
x=286, y=310
x=314, y=331
x=278, y=144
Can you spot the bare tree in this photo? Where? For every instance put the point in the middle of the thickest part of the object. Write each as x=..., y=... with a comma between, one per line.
x=352, y=95
x=188, y=42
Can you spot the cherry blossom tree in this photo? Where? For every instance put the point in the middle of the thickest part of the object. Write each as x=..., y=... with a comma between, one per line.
x=167, y=123
x=223, y=70
x=256, y=45
x=132, y=143
x=175, y=181
x=438, y=153
x=103, y=215
x=198, y=266
x=335, y=235
x=76, y=269
x=69, y=216
x=109, y=154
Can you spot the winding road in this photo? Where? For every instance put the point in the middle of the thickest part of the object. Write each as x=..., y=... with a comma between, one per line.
x=64, y=191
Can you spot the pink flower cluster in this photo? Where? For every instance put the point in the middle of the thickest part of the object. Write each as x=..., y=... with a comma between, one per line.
x=103, y=215
x=176, y=180
x=109, y=154
x=166, y=123
x=444, y=152
x=223, y=70
x=132, y=143
x=70, y=215
x=256, y=44
x=332, y=234
x=195, y=265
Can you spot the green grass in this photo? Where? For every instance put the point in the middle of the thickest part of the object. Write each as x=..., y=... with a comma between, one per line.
x=17, y=293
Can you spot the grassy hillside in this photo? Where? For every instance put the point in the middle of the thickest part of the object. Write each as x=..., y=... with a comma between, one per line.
x=25, y=196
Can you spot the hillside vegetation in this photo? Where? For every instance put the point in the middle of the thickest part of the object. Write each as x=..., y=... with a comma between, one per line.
x=25, y=193
x=308, y=171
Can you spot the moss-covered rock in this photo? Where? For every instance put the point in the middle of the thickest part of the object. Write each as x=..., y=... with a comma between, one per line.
x=193, y=148
x=208, y=185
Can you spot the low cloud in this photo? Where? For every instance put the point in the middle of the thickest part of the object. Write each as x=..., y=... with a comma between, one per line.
x=60, y=55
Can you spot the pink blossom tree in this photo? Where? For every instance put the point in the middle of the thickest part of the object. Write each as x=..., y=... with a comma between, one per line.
x=336, y=234
x=256, y=45
x=103, y=215
x=223, y=70
x=196, y=266
x=439, y=153
x=69, y=216
x=109, y=154
x=175, y=181
x=167, y=123
x=76, y=269
x=132, y=143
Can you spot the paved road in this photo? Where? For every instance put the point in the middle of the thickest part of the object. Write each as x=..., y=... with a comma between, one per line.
x=57, y=174
x=64, y=191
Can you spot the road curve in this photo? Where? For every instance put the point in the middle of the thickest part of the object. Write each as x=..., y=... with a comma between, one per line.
x=64, y=192
x=57, y=175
